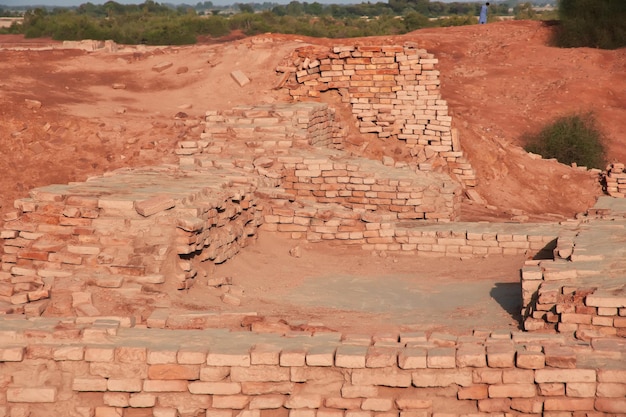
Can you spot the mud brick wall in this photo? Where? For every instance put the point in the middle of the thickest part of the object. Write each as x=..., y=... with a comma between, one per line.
x=581, y=291
x=615, y=180
x=363, y=185
x=116, y=230
x=264, y=128
x=101, y=371
x=394, y=92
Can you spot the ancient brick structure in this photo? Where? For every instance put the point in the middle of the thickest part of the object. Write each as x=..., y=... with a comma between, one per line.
x=282, y=168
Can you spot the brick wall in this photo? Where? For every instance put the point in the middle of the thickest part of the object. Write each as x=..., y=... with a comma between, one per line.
x=109, y=370
x=127, y=228
x=581, y=290
x=615, y=180
x=394, y=92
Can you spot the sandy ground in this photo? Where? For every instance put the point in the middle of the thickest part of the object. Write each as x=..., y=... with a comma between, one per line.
x=100, y=111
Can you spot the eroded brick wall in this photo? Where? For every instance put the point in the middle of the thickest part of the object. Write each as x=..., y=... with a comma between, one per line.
x=394, y=92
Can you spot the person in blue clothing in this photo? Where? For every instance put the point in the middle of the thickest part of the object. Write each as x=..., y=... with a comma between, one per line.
x=483, y=14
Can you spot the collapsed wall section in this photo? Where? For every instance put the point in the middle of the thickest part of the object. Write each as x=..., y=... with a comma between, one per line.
x=581, y=291
x=126, y=228
x=394, y=93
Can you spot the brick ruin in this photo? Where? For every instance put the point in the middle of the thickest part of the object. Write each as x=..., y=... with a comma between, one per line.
x=282, y=168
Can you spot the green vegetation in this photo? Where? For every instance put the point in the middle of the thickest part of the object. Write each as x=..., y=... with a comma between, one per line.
x=591, y=23
x=570, y=139
x=159, y=24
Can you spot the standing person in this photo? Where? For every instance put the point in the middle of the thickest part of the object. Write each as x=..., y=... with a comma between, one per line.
x=483, y=14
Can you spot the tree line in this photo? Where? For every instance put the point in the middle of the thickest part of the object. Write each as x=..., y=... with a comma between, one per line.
x=162, y=24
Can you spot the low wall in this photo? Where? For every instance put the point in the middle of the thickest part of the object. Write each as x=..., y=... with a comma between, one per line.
x=125, y=229
x=53, y=368
x=581, y=291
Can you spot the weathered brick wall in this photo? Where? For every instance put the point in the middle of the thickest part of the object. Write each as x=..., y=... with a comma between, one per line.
x=394, y=92
x=581, y=290
x=260, y=129
x=125, y=228
x=109, y=370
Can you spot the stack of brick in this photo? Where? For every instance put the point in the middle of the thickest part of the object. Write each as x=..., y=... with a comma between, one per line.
x=615, y=180
x=123, y=229
x=581, y=291
x=363, y=185
x=105, y=370
x=263, y=129
x=394, y=93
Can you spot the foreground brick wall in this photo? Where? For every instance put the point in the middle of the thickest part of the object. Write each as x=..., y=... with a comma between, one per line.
x=394, y=92
x=108, y=370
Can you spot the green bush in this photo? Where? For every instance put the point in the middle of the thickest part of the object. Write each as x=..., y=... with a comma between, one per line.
x=591, y=23
x=570, y=139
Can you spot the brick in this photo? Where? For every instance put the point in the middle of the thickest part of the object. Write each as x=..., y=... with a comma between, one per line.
x=565, y=375
x=500, y=355
x=116, y=399
x=293, y=357
x=611, y=405
x=12, y=354
x=343, y=403
x=530, y=360
x=216, y=388
x=228, y=358
x=126, y=354
x=260, y=373
x=348, y=356
x=560, y=357
x=31, y=395
x=493, y=405
x=164, y=385
x=214, y=373
x=580, y=389
x=390, y=377
x=412, y=358
x=551, y=389
x=611, y=390
x=260, y=388
x=568, y=404
x=323, y=375
x=174, y=371
x=527, y=405
x=304, y=401
x=487, y=376
x=265, y=354
x=379, y=357
x=191, y=357
x=518, y=376
x=471, y=356
x=321, y=356
x=142, y=400
x=99, y=354
x=124, y=385
x=89, y=384
x=612, y=375
x=441, y=358
x=442, y=377
x=267, y=402
x=512, y=391
x=377, y=404
x=473, y=392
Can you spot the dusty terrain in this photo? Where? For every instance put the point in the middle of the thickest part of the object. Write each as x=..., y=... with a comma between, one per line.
x=100, y=111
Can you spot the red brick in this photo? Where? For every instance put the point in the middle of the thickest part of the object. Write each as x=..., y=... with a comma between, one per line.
x=492, y=405
x=174, y=371
x=473, y=392
x=512, y=391
x=611, y=405
x=31, y=395
x=568, y=404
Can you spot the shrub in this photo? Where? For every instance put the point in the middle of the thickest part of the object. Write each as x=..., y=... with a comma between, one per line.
x=570, y=139
x=591, y=23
